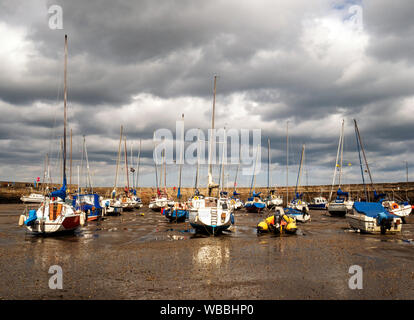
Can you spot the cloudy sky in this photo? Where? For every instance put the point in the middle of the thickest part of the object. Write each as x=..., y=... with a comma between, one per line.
x=141, y=64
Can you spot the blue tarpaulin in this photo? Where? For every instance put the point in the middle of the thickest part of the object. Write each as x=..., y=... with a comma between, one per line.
x=372, y=209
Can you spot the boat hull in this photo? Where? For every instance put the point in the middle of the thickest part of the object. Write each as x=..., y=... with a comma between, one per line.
x=254, y=207
x=366, y=224
x=210, y=220
x=175, y=215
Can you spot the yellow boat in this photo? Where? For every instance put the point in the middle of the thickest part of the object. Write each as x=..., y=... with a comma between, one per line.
x=278, y=224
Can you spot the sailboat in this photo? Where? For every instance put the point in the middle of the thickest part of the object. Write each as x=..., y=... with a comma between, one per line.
x=273, y=199
x=87, y=202
x=342, y=203
x=135, y=177
x=179, y=211
x=235, y=200
x=298, y=208
x=113, y=205
x=371, y=217
x=160, y=201
x=211, y=214
x=255, y=202
x=54, y=214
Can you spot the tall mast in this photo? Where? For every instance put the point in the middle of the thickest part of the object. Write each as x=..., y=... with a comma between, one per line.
x=126, y=164
x=132, y=169
x=363, y=153
x=70, y=165
x=268, y=164
x=181, y=167
x=165, y=173
x=210, y=174
x=118, y=159
x=342, y=153
x=198, y=160
x=406, y=172
x=64, y=113
x=253, y=184
x=237, y=170
x=221, y=177
x=287, y=162
x=337, y=157
x=156, y=172
x=87, y=164
x=300, y=169
x=360, y=160
x=138, y=164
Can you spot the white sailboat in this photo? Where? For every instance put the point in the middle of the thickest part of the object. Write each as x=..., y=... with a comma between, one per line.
x=55, y=214
x=211, y=214
x=113, y=205
x=342, y=203
x=161, y=200
x=298, y=208
x=366, y=216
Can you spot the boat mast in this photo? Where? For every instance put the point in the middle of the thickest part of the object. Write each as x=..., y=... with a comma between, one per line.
x=87, y=165
x=363, y=153
x=70, y=168
x=181, y=167
x=165, y=174
x=211, y=185
x=118, y=159
x=337, y=157
x=406, y=173
x=268, y=164
x=360, y=161
x=198, y=160
x=126, y=164
x=300, y=169
x=138, y=164
x=287, y=162
x=64, y=113
x=237, y=170
x=156, y=173
x=253, y=184
x=221, y=177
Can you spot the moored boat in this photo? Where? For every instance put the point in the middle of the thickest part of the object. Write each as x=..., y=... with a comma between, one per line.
x=278, y=223
x=318, y=203
x=372, y=217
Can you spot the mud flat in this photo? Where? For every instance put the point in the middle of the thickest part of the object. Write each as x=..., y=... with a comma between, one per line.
x=138, y=256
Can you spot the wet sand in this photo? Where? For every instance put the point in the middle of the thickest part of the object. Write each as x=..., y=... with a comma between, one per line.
x=145, y=257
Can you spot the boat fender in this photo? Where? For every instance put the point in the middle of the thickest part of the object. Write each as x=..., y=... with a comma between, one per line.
x=21, y=219
x=82, y=219
x=232, y=218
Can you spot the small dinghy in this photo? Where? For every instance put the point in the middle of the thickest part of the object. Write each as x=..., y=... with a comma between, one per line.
x=372, y=217
x=279, y=223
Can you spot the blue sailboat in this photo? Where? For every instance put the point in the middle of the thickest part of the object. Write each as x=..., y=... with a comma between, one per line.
x=255, y=203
